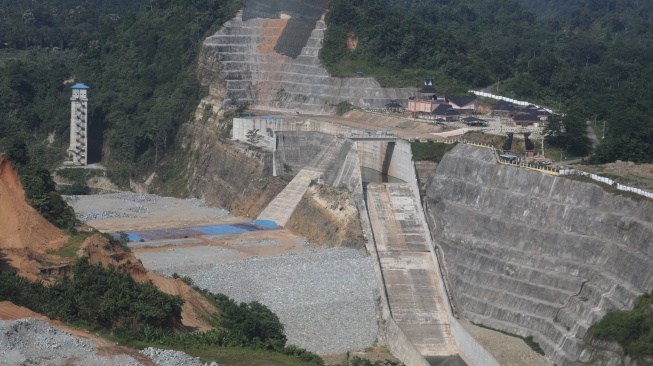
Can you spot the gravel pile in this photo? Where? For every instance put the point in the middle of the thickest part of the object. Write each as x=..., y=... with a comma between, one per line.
x=326, y=298
x=185, y=257
x=165, y=357
x=101, y=215
x=128, y=204
x=131, y=196
x=196, y=202
x=163, y=242
x=255, y=243
x=34, y=342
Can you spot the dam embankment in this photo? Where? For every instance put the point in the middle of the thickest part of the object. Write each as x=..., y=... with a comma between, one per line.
x=538, y=255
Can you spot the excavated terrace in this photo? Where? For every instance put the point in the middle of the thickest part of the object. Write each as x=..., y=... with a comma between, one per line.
x=270, y=64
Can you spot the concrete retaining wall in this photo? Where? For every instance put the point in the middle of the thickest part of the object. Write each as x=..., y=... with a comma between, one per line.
x=268, y=125
x=393, y=159
x=469, y=349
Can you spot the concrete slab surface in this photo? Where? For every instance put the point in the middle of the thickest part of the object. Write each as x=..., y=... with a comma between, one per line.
x=413, y=290
x=282, y=206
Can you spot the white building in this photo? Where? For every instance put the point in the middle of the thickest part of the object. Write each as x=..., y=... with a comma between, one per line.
x=78, y=125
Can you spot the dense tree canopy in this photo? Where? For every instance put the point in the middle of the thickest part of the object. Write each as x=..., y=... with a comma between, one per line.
x=139, y=58
x=139, y=65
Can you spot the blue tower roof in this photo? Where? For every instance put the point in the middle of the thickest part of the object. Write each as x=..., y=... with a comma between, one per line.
x=79, y=86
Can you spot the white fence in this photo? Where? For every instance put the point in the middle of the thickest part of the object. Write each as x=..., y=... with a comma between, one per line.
x=499, y=97
x=605, y=180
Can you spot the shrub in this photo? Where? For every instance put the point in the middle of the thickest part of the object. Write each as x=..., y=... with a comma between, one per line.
x=633, y=330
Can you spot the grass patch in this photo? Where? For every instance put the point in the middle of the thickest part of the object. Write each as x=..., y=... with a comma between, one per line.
x=430, y=151
x=528, y=340
x=237, y=356
x=227, y=356
x=392, y=77
x=633, y=330
x=623, y=178
x=485, y=138
x=72, y=247
x=79, y=175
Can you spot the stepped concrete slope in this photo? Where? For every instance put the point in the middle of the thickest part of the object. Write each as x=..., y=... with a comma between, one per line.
x=539, y=255
x=283, y=205
x=259, y=64
x=414, y=295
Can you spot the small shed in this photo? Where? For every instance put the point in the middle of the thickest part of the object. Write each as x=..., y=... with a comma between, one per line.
x=393, y=106
x=464, y=104
x=504, y=109
x=526, y=119
x=509, y=158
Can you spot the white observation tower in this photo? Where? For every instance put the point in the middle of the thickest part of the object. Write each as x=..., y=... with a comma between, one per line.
x=78, y=125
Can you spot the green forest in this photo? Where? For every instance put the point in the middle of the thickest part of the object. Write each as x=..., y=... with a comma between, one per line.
x=595, y=60
x=633, y=330
x=139, y=64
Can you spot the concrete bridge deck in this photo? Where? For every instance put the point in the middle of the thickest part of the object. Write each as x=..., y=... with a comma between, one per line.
x=411, y=284
x=283, y=205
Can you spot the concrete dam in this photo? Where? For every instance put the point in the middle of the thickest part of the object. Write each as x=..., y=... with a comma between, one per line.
x=538, y=255
x=268, y=57
x=418, y=321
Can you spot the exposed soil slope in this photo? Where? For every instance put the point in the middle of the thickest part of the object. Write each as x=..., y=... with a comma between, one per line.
x=27, y=239
x=327, y=216
x=20, y=225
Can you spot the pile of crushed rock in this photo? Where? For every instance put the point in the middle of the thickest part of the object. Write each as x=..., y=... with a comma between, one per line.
x=325, y=298
x=35, y=342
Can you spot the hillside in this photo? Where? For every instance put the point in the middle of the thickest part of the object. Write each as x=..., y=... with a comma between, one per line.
x=21, y=226
x=143, y=91
x=597, y=63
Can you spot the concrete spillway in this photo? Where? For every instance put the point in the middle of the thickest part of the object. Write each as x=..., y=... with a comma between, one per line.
x=283, y=205
x=538, y=255
x=257, y=71
x=416, y=303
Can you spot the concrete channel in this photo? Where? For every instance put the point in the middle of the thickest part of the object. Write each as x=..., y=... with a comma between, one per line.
x=412, y=288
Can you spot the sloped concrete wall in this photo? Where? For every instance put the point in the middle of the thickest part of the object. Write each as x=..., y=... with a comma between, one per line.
x=269, y=127
x=257, y=74
x=314, y=150
x=393, y=159
x=399, y=345
x=538, y=255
